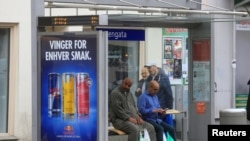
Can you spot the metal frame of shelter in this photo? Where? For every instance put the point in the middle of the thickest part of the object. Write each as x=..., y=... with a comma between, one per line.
x=158, y=13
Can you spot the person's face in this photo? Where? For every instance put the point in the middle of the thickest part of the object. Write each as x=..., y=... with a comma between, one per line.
x=148, y=67
x=144, y=73
x=126, y=84
x=153, y=89
x=153, y=70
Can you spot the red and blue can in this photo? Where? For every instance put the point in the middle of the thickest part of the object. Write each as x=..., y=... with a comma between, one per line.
x=82, y=92
x=54, y=97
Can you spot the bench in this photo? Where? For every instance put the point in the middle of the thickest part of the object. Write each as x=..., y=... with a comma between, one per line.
x=118, y=135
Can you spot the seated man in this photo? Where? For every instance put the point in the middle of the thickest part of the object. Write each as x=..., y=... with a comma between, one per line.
x=164, y=94
x=150, y=109
x=124, y=114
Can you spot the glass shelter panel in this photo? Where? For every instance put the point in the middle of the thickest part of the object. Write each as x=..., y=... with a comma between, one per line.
x=4, y=77
x=123, y=61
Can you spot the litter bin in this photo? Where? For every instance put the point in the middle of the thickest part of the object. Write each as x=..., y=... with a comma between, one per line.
x=233, y=116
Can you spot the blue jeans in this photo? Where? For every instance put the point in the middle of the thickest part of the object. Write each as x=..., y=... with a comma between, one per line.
x=161, y=128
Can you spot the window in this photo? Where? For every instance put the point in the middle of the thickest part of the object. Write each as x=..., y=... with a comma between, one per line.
x=123, y=61
x=4, y=78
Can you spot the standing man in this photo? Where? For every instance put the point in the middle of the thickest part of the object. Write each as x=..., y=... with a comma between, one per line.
x=142, y=84
x=151, y=111
x=124, y=114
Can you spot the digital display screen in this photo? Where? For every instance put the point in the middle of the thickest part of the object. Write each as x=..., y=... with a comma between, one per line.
x=68, y=20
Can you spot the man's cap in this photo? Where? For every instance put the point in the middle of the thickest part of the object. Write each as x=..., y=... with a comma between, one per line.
x=151, y=63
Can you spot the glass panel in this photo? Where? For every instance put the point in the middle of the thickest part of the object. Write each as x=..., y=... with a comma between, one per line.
x=4, y=73
x=123, y=62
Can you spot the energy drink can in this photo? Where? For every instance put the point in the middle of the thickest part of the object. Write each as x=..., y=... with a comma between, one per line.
x=54, y=97
x=82, y=93
x=68, y=95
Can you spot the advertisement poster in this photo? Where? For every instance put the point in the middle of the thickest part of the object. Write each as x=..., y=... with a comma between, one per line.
x=172, y=48
x=168, y=66
x=68, y=87
x=177, y=48
x=201, y=81
x=168, y=53
x=172, y=57
x=175, y=54
x=177, y=68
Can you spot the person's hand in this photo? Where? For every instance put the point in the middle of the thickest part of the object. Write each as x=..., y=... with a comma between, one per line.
x=139, y=120
x=133, y=120
x=163, y=111
x=159, y=110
